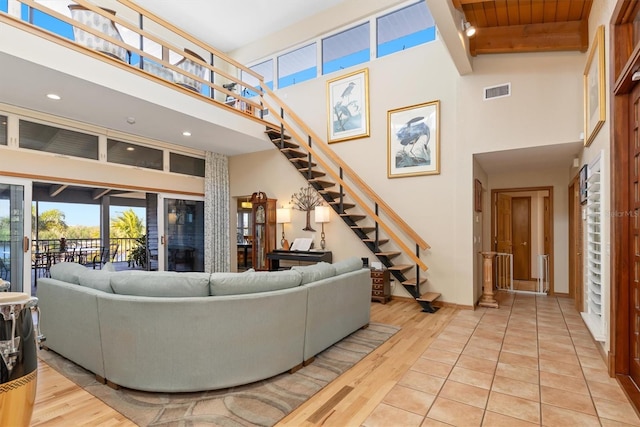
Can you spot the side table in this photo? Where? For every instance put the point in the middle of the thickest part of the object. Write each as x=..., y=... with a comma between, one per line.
x=380, y=287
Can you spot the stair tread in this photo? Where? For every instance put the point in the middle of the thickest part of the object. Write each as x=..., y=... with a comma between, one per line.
x=354, y=217
x=302, y=161
x=380, y=241
x=287, y=144
x=401, y=267
x=293, y=152
x=412, y=282
x=276, y=133
x=429, y=296
x=388, y=254
x=363, y=228
x=315, y=172
x=344, y=205
x=331, y=193
x=322, y=183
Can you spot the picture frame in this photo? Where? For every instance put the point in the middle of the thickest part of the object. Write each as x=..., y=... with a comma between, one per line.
x=477, y=196
x=594, y=88
x=413, y=140
x=583, y=184
x=348, y=106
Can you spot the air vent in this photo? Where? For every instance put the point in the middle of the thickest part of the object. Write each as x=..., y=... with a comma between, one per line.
x=499, y=91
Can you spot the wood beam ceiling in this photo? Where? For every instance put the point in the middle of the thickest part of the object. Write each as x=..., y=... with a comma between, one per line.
x=505, y=26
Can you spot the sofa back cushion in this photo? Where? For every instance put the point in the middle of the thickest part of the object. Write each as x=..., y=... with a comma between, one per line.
x=96, y=279
x=67, y=272
x=315, y=272
x=347, y=265
x=160, y=284
x=249, y=283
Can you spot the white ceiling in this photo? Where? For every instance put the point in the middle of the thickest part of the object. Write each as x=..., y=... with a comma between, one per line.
x=24, y=83
x=229, y=25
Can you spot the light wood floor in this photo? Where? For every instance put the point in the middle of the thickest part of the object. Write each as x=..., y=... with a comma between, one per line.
x=530, y=362
x=59, y=402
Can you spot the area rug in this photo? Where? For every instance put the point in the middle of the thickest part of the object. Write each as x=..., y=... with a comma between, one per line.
x=262, y=403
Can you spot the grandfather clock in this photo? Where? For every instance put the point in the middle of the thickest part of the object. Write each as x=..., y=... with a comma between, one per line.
x=264, y=229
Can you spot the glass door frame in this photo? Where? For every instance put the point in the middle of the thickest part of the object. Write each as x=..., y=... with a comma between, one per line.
x=163, y=222
x=27, y=186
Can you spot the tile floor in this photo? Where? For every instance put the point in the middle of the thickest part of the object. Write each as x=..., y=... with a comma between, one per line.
x=530, y=362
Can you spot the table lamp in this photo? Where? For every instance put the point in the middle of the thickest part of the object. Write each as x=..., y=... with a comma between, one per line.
x=283, y=216
x=322, y=214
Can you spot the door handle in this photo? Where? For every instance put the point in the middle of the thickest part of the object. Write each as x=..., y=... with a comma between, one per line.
x=524, y=243
x=25, y=244
x=162, y=240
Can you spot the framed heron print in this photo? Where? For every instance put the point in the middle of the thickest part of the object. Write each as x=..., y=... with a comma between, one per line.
x=348, y=106
x=413, y=140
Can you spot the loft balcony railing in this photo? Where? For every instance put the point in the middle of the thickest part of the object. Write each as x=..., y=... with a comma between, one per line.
x=132, y=38
x=141, y=42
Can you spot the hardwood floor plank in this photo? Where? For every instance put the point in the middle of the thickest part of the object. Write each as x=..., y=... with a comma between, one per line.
x=59, y=402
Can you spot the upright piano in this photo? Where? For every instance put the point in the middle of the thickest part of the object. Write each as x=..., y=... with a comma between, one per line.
x=308, y=257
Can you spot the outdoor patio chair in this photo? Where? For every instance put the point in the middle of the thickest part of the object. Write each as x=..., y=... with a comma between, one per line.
x=192, y=68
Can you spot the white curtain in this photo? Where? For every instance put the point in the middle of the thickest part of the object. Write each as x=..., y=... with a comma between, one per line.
x=217, y=255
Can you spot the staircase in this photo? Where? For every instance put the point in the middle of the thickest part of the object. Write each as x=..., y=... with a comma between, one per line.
x=301, y=156
x=368, y=216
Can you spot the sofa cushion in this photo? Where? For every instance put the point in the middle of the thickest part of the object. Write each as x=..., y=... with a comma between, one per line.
x=249, y=283
x=347, y=265
x=96, y=279
x=67, y=272
x=315, y=272
x=160, y=284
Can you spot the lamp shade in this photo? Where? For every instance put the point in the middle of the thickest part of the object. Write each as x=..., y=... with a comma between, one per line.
x=322, y=214
x=283, y=215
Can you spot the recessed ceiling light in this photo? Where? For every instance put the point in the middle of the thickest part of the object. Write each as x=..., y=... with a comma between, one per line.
x=130, y=149
x=54, y=96
x=186, y=133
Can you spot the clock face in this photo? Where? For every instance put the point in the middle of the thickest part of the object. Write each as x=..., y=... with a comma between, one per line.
x=260, y=214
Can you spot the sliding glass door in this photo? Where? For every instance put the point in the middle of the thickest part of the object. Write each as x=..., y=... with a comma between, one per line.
x=15, y=266
x=183, y=234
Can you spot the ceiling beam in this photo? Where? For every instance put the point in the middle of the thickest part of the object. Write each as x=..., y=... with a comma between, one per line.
x=472, y=1
x=54, y=190
x=449, y=30
x=99, y=192
x=553, y=36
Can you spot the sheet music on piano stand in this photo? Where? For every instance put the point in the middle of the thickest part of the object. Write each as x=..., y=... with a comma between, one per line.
x=301, y=244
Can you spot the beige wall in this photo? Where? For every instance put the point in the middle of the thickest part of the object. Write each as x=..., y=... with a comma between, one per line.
x=545, y=108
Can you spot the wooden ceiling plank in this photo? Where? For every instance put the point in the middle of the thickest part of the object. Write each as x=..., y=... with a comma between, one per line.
x=562, y=10
x=463, y=2
x=549, y=14
x=501, y=13
x=525, y=12
x=561, y=36
x=576, y=8
x=480, y=16
x=490, y=13
x=513, y=10
x=537, y=12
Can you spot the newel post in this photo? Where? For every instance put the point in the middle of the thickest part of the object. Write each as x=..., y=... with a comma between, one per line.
x=488, y=299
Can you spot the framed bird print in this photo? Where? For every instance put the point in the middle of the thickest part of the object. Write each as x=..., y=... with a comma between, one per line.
x=413, y=140
x=348, y=106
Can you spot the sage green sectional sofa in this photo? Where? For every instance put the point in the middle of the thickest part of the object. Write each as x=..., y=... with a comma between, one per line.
x=179, y=332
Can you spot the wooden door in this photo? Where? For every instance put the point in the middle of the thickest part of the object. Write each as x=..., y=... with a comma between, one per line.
x=576, y=283
x=634, y=234
x=503, y=240
x=521, y=232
